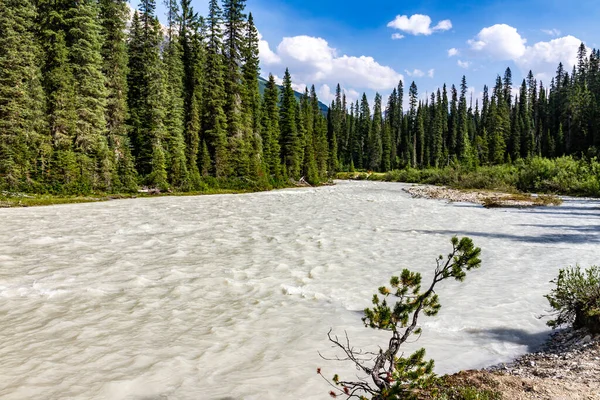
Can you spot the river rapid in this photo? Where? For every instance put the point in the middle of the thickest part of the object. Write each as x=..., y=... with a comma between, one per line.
x=232, y=296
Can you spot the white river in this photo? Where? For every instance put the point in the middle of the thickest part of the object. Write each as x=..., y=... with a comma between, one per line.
x=231, y=296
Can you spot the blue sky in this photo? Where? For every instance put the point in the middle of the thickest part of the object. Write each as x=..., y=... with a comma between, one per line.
x=347, y=41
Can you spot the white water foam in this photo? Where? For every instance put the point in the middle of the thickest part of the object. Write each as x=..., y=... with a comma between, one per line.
x=231, y=297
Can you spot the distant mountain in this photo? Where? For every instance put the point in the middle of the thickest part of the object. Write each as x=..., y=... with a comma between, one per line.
x=262, y=83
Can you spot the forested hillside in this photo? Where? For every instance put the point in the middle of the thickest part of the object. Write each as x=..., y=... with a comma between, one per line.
x=94, y=98
x=91, y=100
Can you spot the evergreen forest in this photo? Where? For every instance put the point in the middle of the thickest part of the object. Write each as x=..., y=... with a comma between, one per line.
x=96, y=97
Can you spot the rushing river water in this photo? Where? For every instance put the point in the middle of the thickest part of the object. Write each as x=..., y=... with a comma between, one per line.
x=231, y=297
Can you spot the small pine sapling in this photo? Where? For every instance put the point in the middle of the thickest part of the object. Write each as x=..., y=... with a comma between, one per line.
x=388, y=376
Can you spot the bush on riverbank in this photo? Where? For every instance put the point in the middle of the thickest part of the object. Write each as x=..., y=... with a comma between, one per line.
x=564, y=175
x=576, y=298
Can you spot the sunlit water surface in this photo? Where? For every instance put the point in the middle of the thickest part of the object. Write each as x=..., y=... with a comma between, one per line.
x=231, y=297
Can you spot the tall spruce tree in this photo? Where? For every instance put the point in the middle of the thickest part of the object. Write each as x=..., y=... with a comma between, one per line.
x=114, y=15
x=173, y=76
x=251, y=98
x=289, y=139
x=59, y=86
x=462, y=138
x=191, y=42
x=238, y=146
x=24, y=148
x=270, y=130
x=214, y=120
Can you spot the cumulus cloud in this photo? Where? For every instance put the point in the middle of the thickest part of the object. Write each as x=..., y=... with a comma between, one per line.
x=503, y=42
x=313, y=60
x=431, y=73
x=326, y=94
x=464, y=64
x=500, y=41
x=418, y=24
x=267, y=56
x=452, y=52
x=397, y=36
x=543, y=57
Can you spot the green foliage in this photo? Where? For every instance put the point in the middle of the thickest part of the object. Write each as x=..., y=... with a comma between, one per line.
x=565, y=176
x=394, y=377
x=576, y=298
x=87, y=103
x=22, y=123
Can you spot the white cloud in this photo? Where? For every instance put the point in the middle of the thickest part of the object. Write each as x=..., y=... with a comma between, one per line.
x=418, y=24
x=431, y=73
x=464, y=64
x=299, y=87
x=266, y=54
x=312, y=60
x=417, y=73
x=327, y=95
x=452, y=52
x=503, y=42
x=444, y=25
x=499, y=41
x=543, y=57
x=552, y=32
x=397, y=36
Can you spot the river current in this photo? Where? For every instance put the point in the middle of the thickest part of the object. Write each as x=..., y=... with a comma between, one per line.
x=232, y=296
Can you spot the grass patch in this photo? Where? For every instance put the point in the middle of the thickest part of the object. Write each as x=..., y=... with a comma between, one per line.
x=463, y=387
x=10, y=200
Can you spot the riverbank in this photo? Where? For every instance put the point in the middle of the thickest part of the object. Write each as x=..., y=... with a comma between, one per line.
x=486, y=198
x=564, y=176
x=566, y=367
x=11, y=199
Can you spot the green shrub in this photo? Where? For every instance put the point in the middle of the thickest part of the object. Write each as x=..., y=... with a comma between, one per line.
x=576, y=298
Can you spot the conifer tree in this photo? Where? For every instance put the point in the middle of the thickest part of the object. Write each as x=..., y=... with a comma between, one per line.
x=237, y=130
x=392, y=122
x=58, y=83
x=375, y=147
x=147, y=105
x=113, y=17
x=438, y=126
x=364, y=131
x=322, y=151
x=453, y=124
x=270, y=130
x=174, y=101
x=289, y=139
x=309, y=164
x=191, y=42
x=462, y=139
x=214, y=120
x=412, y=126
x=251, y=98
x=22, y=126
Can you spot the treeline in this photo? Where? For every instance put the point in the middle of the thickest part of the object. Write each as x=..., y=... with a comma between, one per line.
x=95, y=98
x=448, y=128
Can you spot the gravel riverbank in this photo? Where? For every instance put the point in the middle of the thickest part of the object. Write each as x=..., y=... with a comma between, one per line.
x=483, y=197
x=567, y=367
